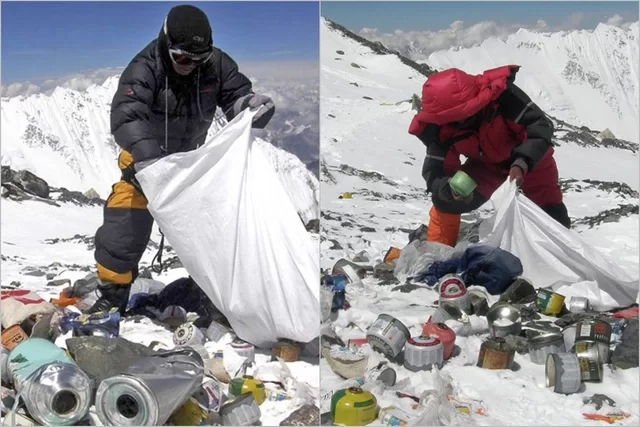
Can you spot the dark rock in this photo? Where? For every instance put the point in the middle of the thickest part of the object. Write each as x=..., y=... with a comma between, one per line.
x=519, y=292
x=571, y=318
x=479, y=304
x=76, y=197
x=15, y=284
x=332, y=116
x=528, y=312
x=354, y=84
x=102, y=357
x=346, y=224
x=336, y=245
x=368, y=97
x=387, y=282
x=384, y=271
x=378, y=48
x=409, y=287
x=51, y=276
x=366, y=175
x=367, y=229
x=30, y=183
x=313, y=226
x=338, y=59
x=408, y=163
x=5, y=192
x=87, y=284
x=340, y=52
x=625, y=355
x=518, y=343
x=361, y=256
x=610, y=215
x=306, y=415
x=354, y=65
x=35, y=273
x=59, y=282
x=78, y=238
x=599, y=400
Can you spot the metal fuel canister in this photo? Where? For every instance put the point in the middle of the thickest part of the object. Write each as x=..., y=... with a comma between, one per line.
x=248, y=384
x=353, y=407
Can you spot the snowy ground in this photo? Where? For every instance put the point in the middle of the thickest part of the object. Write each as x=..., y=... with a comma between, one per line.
x=27, y=225
x=367, y=150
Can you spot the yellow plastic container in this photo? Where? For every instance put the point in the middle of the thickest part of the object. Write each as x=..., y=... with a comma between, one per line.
x=248, y=384
x=353, y=407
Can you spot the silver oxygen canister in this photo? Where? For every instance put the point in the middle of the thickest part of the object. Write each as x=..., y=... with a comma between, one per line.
x=188, y=334
x=544, y=344
x=244, y=349
x=422, y=353
x=242, y=410
x=453, y=290
x=578, y=304
x=388, y=335
x=151, y=389
x=55, y=390
x=562, y=371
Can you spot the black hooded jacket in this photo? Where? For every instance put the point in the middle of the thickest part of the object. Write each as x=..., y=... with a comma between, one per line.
x=155, y=111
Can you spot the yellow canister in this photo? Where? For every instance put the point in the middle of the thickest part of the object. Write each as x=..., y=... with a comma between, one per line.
x=549, y=302
x=248, y=384
x=353, y=407
x=189, y=414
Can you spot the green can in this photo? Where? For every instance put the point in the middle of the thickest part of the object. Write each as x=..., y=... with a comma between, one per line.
x=353, y=407
x=549, y=302
x=462, y=184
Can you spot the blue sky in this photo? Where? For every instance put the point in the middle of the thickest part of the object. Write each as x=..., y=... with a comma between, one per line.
x=420, y=16
x=45, y=40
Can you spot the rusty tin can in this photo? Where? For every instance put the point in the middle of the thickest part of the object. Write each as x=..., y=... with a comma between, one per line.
x=287, y=350
x=495, y=354
x=12, y=336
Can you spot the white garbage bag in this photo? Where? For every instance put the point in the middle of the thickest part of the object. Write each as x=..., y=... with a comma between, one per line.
x=237, y=233
x=553, y=256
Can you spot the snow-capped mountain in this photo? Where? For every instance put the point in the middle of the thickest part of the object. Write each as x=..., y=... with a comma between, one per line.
x=65, y=139
x=366, y=150
x=588, y=78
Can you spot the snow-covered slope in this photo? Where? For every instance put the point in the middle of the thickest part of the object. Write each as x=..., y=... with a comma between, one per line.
x=366, y=150
x=65, y=139
x=588, y=78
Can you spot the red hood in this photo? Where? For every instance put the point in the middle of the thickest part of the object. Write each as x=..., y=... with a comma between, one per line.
x=453, y=95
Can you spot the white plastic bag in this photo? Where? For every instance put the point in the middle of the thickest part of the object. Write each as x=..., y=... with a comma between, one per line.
x=551, y=254
x=237, y=233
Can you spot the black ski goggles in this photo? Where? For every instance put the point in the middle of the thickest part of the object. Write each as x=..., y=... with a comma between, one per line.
x=182, y=57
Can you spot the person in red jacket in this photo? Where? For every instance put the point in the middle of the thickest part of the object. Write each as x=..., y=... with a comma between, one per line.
x=501, y=132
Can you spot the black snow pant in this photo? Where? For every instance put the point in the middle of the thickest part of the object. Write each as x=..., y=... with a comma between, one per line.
x=123, y=237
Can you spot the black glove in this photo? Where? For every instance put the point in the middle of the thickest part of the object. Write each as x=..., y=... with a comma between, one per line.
x=266, y=105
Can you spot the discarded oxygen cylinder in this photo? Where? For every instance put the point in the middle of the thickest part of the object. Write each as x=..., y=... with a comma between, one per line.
x=150, y=390
x=54, y=389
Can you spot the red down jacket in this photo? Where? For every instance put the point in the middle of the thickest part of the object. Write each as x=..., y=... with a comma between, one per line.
x=493, y=123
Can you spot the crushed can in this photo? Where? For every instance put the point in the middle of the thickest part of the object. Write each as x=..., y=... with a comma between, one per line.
x=242, y=410
x=55, y=390
x=210, y=394
x=248, y=384
x=148, y=391
x=12, y=336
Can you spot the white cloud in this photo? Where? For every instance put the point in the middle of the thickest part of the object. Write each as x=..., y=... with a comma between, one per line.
x=76, y=81
x=618, y=21
x=419, y=44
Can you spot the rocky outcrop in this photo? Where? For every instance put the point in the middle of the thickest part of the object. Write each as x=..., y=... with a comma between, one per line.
x=24, y=185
